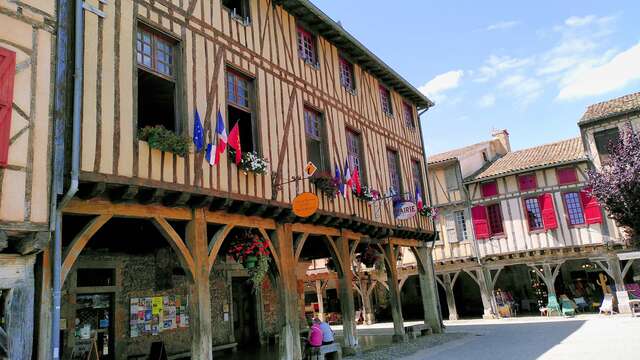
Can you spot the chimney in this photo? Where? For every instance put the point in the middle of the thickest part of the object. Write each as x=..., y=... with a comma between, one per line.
x=503, y=137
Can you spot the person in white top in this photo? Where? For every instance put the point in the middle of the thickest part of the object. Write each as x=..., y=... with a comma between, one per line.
x=327, y=333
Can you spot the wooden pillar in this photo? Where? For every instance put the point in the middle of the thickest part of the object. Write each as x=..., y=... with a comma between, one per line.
x=347, y=306
x=288, y=290
x=320, y=300
x=200, y=299
x=44, y=306
x=428, y=290
x=478, y=275
x=448, y=284
x=17, y=276
x=618, y=279
x=367, y=292
x=394, y=292
x=548, y=275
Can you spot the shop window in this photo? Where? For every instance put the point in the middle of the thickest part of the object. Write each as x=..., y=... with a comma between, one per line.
x=572, y=203
x=489, y=188
x=567, y=175
x=534, y=215
x=409, y=118
x=241, y=109
x=239, y=9
x=157, y=81
x=461, y=225
x=307, y=47
x=527, y=182
x=451, y=177
x=393, y=161
x=90, y=277
x=385, y=100
x=347, y=78
x=316, y=141
x=354, y=153
x=604, y=139
x=494, y=213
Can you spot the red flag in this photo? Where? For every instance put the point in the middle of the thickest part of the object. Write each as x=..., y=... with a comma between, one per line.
x=234, y=142
x=356, y=181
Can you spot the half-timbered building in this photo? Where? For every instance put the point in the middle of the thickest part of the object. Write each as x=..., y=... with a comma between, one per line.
x=145, y=217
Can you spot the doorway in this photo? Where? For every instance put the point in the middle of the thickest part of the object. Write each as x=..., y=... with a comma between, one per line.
x=94, y=320
x=245, y=324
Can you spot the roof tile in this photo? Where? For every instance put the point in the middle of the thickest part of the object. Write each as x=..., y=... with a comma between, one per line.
x=609, y=108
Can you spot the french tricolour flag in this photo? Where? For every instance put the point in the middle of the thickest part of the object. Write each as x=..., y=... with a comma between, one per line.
x=419, y=201
x=222, y=138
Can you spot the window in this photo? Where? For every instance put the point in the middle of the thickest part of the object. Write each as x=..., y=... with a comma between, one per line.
x=241, y=109
x=316, y=144
x=354, y=153
x=450, y=223
x=157, y=83
x=451, y=177
x=527, y=182
x=495, y=219
x=489, y=189
x=409, y=119
x=394, y=172
x=485, y=158
x=347, y=79
x=416, y=172
x=461, y=225
x=573, y=205
x=7, y=76
x=307, y=47
x=603, y=140
x=567, y=175
x=239, y=9
x=385, y=100
x=534, y=215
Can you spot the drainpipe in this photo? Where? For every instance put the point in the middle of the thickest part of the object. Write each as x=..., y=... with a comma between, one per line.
x=433, y=223
x=73, y=186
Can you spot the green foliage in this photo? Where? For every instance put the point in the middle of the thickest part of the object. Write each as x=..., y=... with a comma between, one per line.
x=158, y=137
x=259, y=272
x=325, y=183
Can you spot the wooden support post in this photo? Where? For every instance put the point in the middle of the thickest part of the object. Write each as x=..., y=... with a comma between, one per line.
x=16, y=275
x=448, y=283
x=288, y=288
x=548, y=275
x=367, y=292
x=394, y=292
x=428, y=289
x=618, y=279
x=200, y=299
x=345, y=280
x=479, y=277
x=44, y=283
x=320, y=300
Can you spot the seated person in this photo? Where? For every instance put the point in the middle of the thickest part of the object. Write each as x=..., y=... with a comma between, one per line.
x=315, y=334
x=327, y=333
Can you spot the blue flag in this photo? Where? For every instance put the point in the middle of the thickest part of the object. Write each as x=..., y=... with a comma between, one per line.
x=338, y=180
x=198, y=132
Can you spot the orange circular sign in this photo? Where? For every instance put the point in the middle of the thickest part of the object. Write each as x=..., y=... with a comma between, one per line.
x=305, y=204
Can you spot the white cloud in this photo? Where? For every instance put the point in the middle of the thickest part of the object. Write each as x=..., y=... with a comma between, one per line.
x=496, y=64
x=487, y=100
x=502, y=25
x=526, y=89
x=441, y=83
x=575, y=21
x=614, y=74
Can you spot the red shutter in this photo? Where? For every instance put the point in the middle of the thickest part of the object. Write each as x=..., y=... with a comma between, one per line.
x=7, y=73
x=480, y=222
x=592, y=213
x=489, y=189
x=548, y=212
x=527, y=182
x=567, y=175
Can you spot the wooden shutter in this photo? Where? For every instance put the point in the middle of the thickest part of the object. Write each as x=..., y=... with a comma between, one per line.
x=567, y=175
x=591, y=207
x=480, y=222
x=527, y=182
x=7, y=74
x=548, y=211
x=450, y=222
x=489, y=189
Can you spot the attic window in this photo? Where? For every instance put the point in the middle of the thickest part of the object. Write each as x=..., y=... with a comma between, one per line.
x=385, y=100
x=346, y=75
x=238, y=9
x=307, y=47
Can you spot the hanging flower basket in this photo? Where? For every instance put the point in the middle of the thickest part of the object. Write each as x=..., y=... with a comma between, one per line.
x=370, y=257
x=366, y=194
x=250, y=249
x=325, y=183
x=428, y=211
x=250, y=162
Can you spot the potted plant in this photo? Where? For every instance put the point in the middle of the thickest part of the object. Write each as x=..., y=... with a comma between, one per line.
x=367, y=193
x=251, y=162
x=250, y=249
x=428, y=211
x=325, y=183
x=158, y=137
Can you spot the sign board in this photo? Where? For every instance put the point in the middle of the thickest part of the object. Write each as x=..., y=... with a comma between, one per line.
x=310, y=169
x=305, y=204
x=405, y=210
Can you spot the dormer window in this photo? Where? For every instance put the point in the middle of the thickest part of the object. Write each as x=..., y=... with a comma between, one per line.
x=307, y=46
x=409, y=118
x=385, y=100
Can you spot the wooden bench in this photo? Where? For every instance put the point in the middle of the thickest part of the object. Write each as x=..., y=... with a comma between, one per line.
x=331, y=351
x=414, y=331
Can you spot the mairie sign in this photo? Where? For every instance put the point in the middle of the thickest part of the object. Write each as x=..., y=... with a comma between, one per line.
x=405, y=210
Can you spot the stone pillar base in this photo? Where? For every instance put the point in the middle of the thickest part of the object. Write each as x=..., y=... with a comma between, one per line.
x=349, y=351
x=453, y=316
x=369, y=318
x=399, y=338
x=623, y=302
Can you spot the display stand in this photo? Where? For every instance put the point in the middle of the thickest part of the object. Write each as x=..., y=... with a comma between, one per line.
x=85, y=350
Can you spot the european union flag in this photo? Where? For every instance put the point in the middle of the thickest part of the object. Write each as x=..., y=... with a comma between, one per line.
x=198, y=132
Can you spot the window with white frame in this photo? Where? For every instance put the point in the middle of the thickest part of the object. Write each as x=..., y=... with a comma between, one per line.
x=450, y=224
x=461, y=225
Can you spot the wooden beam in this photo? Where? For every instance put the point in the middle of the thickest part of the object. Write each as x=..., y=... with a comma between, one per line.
x=299, y=244
x=177, y=244
x=221, y=217
x=216, y=242
x=78, y=243
x=33, y=243
x=151, y=196
x=123, y=193
x=102, y=207
x=4, y=240
x=91, y=190
x=315, y=229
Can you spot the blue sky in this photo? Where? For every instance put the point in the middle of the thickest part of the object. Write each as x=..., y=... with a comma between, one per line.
x=531, y=68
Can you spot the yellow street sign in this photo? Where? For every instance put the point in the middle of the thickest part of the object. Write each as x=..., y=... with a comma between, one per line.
x=310, y=169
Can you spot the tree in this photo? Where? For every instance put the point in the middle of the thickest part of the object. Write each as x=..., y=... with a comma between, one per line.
x=617, y=184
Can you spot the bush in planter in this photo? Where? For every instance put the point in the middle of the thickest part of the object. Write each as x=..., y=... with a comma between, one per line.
x=325, y=183
x=158, y=137
x=367, y=193
x=251, y=162
x=428, y=211
x=252, y=251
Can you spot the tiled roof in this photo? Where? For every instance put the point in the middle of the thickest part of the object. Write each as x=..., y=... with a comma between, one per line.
x=540, y=156
x=455, y=153
x=617, y=106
